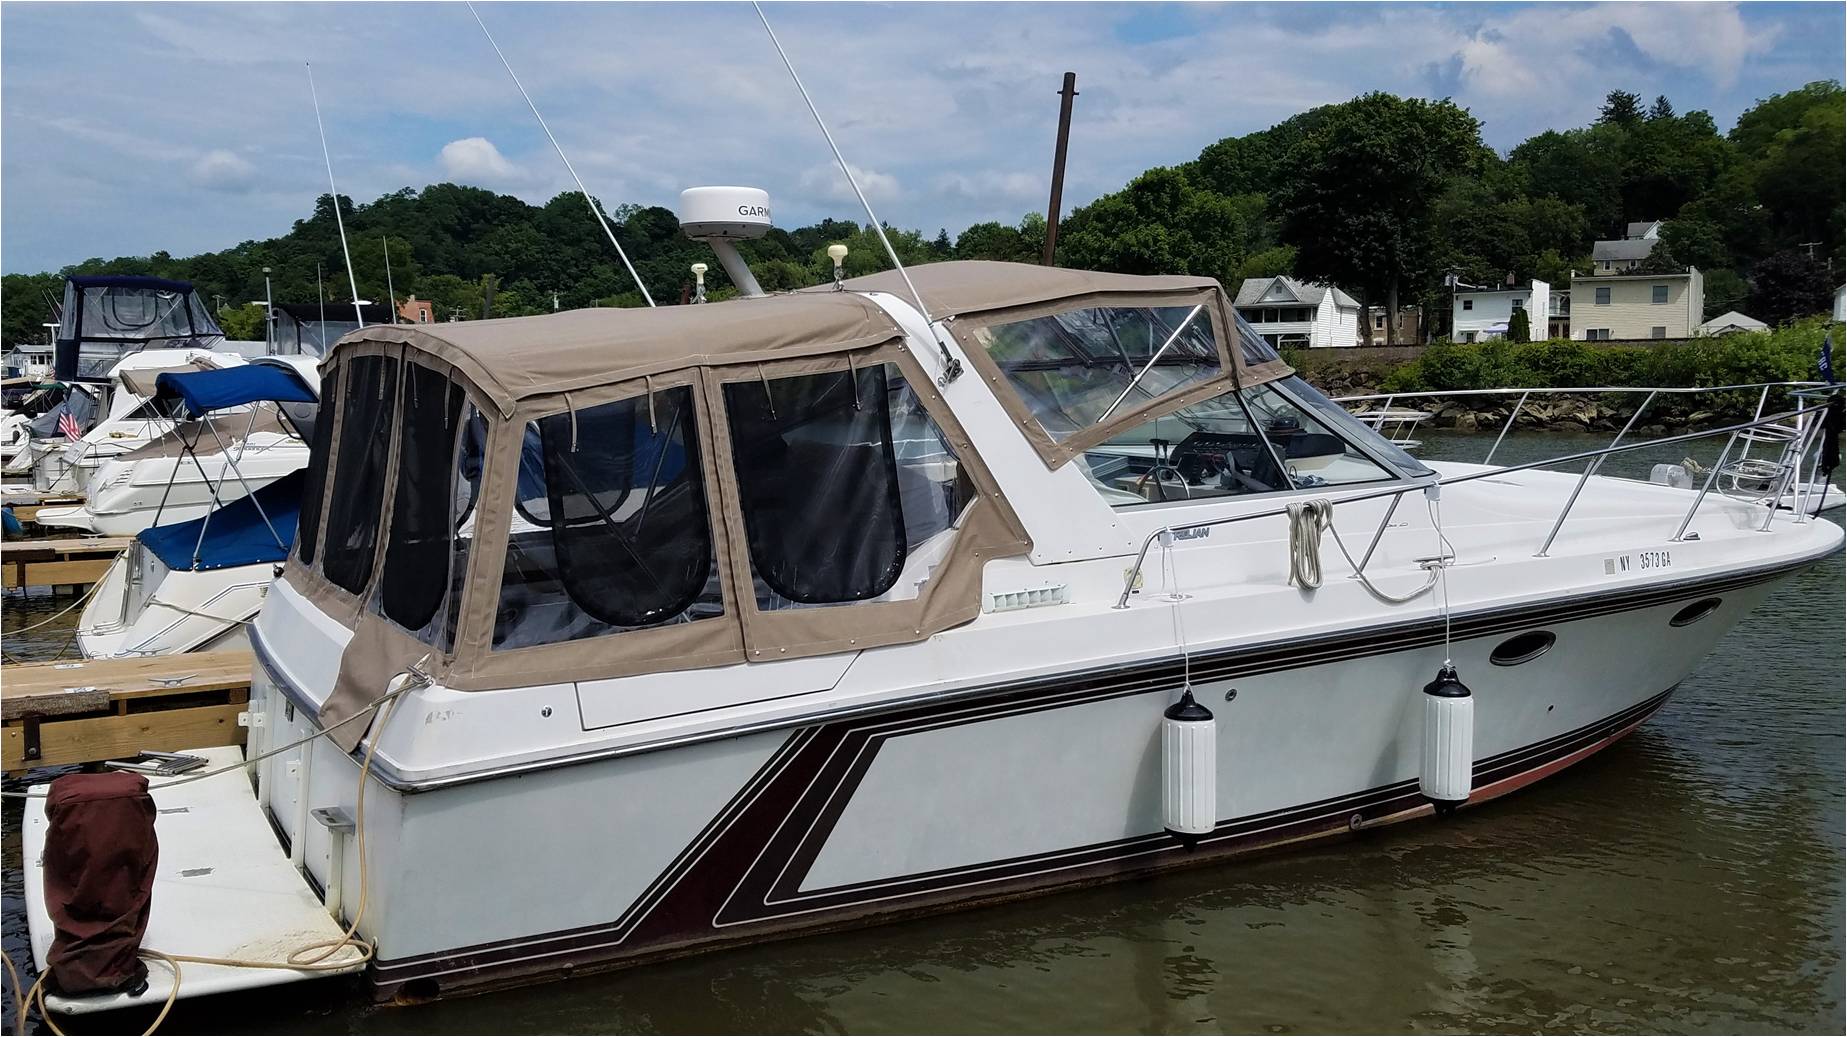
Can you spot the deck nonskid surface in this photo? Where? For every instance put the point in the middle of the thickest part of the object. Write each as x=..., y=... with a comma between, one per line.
x=223, y=889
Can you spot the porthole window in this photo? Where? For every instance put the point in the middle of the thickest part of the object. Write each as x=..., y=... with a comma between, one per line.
x=1694, y=613
x=1522, y=648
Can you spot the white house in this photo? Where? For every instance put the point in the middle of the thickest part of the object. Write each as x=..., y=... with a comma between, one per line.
x=1730, y=321
x=1479, y=315
x=1840, y=303
x=1620, y=256
x=1287, y=312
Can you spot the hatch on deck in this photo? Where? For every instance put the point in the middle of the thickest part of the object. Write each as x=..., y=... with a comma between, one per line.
x=223, y=889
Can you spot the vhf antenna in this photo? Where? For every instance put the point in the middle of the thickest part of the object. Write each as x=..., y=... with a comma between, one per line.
x=952, y=368
x=581, y=189
x=340, y=222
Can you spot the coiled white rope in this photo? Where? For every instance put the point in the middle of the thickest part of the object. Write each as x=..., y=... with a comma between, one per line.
x=1306, y=521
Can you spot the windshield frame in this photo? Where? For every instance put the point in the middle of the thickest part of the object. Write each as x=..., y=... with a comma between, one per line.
x=975, y=331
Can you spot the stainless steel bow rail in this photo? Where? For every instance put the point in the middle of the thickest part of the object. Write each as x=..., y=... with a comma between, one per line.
x=1379, y=417
x=1806, y=431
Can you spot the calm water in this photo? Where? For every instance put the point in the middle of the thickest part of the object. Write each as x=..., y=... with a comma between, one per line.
x=1688, y=879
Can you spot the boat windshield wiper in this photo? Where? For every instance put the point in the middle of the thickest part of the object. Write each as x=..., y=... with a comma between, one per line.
x=1149, y=366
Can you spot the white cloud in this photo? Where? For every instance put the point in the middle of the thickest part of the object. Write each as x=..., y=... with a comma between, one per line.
x=222, y=170
x=475, y=160
x=825, y=180
x=992, y=185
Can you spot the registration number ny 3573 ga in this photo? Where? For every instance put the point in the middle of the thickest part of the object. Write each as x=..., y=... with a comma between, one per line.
x=1640, y=561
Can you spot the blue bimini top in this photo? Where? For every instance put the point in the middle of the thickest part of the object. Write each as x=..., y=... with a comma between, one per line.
x=225, y=387
x=235, y=534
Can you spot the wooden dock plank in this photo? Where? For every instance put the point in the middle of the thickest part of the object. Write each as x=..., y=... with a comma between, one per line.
x=48, y=550
x=127, y=678
x=93, y=739
x=55, y=574
x=99, y=709
x=52, y=563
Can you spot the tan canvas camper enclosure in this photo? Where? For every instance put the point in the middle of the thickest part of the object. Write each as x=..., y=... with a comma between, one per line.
x=603, y=493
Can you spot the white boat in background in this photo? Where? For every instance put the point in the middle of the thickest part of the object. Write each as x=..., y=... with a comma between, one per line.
x=111, y=325
x=196, y=583
x=78, y=407
x=193, y=467
x=131, y=420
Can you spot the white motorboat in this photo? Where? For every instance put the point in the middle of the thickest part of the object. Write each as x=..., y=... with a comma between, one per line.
x=111, y=325
x=193, y=467
x=131, y=421
x=47, y=426
x=647, y=631
x=195, y=583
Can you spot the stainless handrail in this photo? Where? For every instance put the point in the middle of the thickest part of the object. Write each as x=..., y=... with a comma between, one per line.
x=1577, y=389
x=1590, y=470
x=1133, y=574
x=1508, y=427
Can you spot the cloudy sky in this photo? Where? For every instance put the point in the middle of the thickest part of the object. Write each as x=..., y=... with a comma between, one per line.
x=126, y=129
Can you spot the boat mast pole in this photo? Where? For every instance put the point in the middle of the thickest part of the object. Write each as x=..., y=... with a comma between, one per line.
x=952, y=368
x=595, y=213
x=339, y=221
x=390, y=291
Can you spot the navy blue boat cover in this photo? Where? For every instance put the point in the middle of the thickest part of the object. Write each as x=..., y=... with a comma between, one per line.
x=205, y=391
x=235, y=534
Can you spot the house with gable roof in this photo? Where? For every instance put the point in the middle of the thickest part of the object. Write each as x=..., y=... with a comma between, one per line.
x=1290, y=313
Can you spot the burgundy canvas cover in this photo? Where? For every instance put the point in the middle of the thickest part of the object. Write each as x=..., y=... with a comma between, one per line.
x=100, y=854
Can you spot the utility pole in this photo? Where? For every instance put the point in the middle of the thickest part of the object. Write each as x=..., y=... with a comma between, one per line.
x=269, y=317
x=1068, y=93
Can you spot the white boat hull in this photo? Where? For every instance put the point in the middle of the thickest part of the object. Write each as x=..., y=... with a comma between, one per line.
x=993, y=793
x=127, y=496
x=143, y=608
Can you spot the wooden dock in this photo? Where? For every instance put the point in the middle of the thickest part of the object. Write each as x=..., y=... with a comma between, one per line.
x=106, y=709
x=26, y=501
x=58, y=563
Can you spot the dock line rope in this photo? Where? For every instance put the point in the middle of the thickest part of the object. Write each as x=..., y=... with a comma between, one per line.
x=85, y=596
x=298, y=959
x=1306, y=521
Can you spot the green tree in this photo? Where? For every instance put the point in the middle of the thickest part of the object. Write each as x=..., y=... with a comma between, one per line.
x=1789, y=285
x=27, y=303
x=994, y=241
x=1620, y=108
x=1519, y=329
x=1163, y=222
x=1270, y=262
x=1360, y=210
x=243, y=323
x=1725, y=291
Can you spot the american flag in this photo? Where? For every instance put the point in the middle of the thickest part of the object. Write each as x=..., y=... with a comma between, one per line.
x=68, y=426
